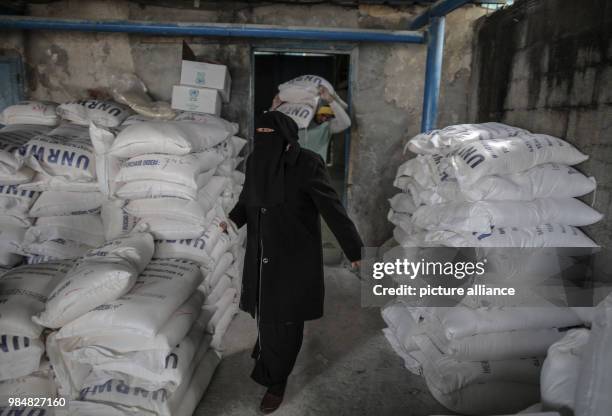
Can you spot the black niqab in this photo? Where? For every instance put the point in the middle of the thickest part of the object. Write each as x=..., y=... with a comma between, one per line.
x=272, y=151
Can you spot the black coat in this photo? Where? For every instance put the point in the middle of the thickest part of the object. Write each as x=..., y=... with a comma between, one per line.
x=284, y=244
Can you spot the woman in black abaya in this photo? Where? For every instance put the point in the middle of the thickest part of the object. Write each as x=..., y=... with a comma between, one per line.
x=285, y=190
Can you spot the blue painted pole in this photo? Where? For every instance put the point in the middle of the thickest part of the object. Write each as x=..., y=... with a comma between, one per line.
x=438, y=9
x=433, y=72
x=211, y=29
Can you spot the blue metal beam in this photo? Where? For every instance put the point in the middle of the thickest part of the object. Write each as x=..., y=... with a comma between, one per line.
x=210, y=29
x=433, y=72
x=439, y=8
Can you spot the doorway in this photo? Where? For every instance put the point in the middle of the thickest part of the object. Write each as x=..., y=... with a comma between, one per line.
x=274, y=67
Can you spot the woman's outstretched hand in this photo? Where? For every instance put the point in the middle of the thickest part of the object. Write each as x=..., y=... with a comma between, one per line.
x=356, y=264
x=223, y=226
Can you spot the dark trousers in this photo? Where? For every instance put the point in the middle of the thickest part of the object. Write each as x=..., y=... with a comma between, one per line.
x=275, y=352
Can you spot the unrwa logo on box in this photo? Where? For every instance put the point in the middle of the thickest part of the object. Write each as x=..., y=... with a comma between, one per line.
x=200, y=78
x=193, y=94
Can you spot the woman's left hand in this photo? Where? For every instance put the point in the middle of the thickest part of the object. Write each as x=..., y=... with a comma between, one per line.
x=356, y=264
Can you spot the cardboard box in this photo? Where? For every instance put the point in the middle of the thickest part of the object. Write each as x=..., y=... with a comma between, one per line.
x=199, y=100
x=207, y=75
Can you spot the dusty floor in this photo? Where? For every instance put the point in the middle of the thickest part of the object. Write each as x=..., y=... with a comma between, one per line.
x=345, y=367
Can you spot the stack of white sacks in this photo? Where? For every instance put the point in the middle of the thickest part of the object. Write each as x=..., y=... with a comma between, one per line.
x=133, y=272
x=22, y=123
x=486, y=185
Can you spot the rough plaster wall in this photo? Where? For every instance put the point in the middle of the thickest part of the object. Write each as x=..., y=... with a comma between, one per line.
x=547, y=66
x=387, y=86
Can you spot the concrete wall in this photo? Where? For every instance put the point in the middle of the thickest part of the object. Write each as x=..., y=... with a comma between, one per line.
x=386, y=89
x=546, y=66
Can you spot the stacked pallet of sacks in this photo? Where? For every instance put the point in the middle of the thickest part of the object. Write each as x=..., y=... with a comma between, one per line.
x=487, y=185
x=22, y=122
x=67, y=212
x=576, y=374
x=132, y=283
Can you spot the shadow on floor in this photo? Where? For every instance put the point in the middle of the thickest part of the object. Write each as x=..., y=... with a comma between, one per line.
x=345, y=367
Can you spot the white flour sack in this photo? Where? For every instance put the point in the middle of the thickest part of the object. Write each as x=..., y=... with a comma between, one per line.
x=107, y=165
x=104, y=113
x=210, y=193
x=101, y=276
x=402, y=202
x=148, y=189
x=19, y=356
x=11, y=238
x=559, y=378
x=38, y=384
x=182, y=170
x=502, y=345
x=511, y=155
x=66, y=354
x=305, y=86
x=12, y=138
x=238, y=144
x=170, y=137
x=482, y=216
x=58, y=203
x=65, y=152
x=57, y=249
x=149, y=369
x=161, y=288
x=116, y=221
x=208, y=119
x=31, y=112
x=302, y=114
x=86, y=229
x=452, y=137
x=16, y=202
x=595, y=378
x=550, y=180
x=426, y=170
x=196, y=249
x=545, y=235
x=463, y=322
x=23, y=293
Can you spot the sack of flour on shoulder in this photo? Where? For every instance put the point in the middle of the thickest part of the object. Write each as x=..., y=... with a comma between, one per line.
x=58, y=203
x=12, y=139
x=103, y=113
x=65, y=153
x=101, y=276
x=511, y=155
x=170, y=137
x=23, y=293
x=306, y=87
x=302, y=114
x=209, y=119
x=31, y=112
x=452, y=137
x=159, y=290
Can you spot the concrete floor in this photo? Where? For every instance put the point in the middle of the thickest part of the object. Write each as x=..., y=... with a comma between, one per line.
x=345, y=367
